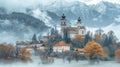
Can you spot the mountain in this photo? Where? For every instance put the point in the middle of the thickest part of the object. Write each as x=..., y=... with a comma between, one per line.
x=2, y=10
x=19, y=26
x=48, y=17
x=97, y=15
x=39, y=19
x=16, y=18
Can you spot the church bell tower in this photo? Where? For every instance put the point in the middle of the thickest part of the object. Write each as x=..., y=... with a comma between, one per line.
x=63, y=24
x=79, y=22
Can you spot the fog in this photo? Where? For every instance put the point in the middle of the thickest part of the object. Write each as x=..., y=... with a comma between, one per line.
x=59, y=63
x=10, y=32
x=10, y=36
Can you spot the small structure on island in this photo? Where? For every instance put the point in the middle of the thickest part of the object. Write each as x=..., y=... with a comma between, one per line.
x=61, y=47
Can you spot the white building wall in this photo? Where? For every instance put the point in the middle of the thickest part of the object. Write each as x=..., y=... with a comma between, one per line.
x=82, y=32
x=61, y=49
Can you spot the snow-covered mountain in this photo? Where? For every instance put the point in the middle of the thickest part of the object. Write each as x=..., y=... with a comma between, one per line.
x=18, y=26
x=97, y=15
x=103, y=14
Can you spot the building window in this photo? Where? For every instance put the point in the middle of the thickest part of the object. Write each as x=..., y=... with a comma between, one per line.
x=82, y=32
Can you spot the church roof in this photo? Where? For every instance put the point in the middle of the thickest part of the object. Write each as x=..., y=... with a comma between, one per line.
x=45, y=36
x=63, y=16
x=61, y=43
x=79, y=19
x=82, y=27
x=72, y=30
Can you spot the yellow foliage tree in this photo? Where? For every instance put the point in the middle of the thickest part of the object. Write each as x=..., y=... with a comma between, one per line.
x=79, y=37
x=93, y=48
x=117, y=55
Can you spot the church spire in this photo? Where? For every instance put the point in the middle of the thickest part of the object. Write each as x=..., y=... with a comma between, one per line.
x=79, y=21
x=63, y=16
x=63, y=20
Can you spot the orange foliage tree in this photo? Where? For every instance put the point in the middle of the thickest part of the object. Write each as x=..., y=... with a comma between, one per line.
x=79, y=37
x=93, y=48
x=117, y=55
x=7, y=51
x=24, y=54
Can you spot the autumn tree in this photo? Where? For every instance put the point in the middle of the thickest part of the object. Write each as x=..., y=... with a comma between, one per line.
x=11, y=50
x=79, y=37
x=93, y=50
x=117, y=55
x=78, y=41
x=7, y=51
x=24, y=54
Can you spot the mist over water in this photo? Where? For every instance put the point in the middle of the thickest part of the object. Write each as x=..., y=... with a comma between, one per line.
x=59, y=63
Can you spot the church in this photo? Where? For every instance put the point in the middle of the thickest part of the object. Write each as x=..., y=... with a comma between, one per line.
x=78, y=30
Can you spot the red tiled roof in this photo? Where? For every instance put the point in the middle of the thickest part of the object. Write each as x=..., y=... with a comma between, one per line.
x=45, y=36
x=62, y=43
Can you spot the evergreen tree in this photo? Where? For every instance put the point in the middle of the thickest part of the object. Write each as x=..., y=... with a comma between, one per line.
x=87, y=38
x=106, y=42
x=66, y=36
x=34, y=39
x=110, y=37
